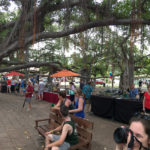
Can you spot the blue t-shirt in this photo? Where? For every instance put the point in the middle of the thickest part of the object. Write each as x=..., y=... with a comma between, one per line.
x=87, y=90
x=133, y=93
x=32, y=80
x=81, y=113
x=22, y=84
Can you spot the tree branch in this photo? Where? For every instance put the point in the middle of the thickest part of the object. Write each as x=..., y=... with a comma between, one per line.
x=80, y=28
x=141, y=58
x=32, y=64
x=10, y=62
x=6, y=26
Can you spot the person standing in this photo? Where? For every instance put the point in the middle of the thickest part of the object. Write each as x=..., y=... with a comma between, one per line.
x=13, y=84
x=8, y=86
x=140, y=83
x=41, y=89
x=32, y=80
x=146, y=100
x=81, y=84
x=22, y=87
x=72, y=91
x=36, y=89
x=87, y=91
x=133, y=92
x=16, y=86
x=37, y=78
x=28, y=95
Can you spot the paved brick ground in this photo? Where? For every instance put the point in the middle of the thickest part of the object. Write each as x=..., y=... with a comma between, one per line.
x=17, y=125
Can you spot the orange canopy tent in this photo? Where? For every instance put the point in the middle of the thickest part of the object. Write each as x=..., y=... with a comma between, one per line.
x=13, y=73
x=65, y=73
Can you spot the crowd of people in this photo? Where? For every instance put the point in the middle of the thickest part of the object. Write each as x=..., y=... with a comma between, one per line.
x=78, y=101
x=33, y=87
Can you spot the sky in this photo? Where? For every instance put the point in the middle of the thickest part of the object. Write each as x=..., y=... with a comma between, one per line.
x=13, y=7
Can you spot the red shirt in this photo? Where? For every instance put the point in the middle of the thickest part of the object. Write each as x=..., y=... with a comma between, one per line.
x=30, y=90
x=8, y=82
x=147, y=100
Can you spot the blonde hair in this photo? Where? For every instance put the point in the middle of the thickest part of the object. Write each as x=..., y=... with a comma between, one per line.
x=79, y=92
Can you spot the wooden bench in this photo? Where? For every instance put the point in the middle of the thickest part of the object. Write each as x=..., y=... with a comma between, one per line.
x=84, y=128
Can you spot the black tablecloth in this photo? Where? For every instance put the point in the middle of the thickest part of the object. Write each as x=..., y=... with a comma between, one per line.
x=118, y=109
x=102, y=106
x=125, y=109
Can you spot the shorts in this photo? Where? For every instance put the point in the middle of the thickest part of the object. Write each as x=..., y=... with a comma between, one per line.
x=41, y=92
x=64, y=146
x=28, y=99
x=22, y=89
x=9, y=86
x=87, y=101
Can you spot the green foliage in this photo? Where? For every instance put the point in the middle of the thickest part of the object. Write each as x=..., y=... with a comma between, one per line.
x=123, y=9
x=146, y=14
x=3, y=18
x=3, y=34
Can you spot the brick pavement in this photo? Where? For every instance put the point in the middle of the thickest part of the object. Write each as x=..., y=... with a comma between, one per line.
x=17, y=125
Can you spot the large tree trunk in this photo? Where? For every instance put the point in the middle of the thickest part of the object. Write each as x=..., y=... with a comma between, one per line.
x=127, y=75
x=131, y=64
x=85, y=74
x=113, y=76
x=27, y=69
x=124, y=77
x=131, y=72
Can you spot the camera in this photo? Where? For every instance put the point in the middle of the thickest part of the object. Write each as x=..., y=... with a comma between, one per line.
x=121, y=135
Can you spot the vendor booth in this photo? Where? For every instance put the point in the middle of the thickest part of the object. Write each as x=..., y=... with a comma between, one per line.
x=119, y=109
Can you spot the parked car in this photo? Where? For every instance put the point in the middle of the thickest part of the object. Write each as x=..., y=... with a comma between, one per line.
x=101, y=82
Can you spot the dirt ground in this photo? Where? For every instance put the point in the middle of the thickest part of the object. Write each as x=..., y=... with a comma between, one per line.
x=17, y=130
